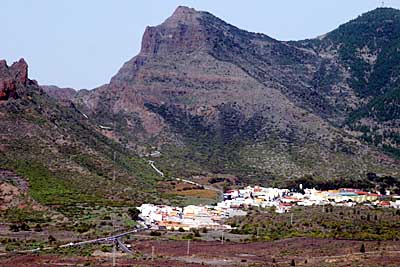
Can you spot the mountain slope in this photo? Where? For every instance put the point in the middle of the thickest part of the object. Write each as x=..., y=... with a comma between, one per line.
x=214, y=98
x=65, y=158
x=369, y=47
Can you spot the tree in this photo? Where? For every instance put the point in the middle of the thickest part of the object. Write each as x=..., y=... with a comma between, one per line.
x=196, y=233
x=24, y=227
x=37, y=228
x=14, y=228
x=134, y=213
x=51, y=239
x=155, y=233
x=362, y=248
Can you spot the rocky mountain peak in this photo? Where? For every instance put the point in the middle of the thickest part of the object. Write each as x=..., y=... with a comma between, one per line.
x=183, y=15
x=180, y=32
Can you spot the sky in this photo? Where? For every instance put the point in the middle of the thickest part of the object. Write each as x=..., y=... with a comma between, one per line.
x=83, y=43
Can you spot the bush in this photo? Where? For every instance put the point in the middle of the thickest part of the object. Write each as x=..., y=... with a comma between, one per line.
x=24, y=227
x=84, y=227
x=189, y=236
x=196, y=232
x=51, y=239
x=37, y=228
x=155, y=233
x=14, y=228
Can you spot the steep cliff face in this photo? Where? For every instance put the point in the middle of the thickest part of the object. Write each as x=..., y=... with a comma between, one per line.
x=235, y=101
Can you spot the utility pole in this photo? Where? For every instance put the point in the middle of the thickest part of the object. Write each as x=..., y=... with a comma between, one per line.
x=152, y=253
x=188, y=247
x=113, y=215
x=113, y=261
x=291, y=218
x=222, y=237
x=114, y=245
x=114, y=155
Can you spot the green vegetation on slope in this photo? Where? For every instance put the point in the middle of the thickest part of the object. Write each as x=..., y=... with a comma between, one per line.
x=322, y=222
x=374, y=34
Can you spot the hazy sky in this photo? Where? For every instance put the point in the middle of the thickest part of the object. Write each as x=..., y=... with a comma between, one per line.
x=82, y=43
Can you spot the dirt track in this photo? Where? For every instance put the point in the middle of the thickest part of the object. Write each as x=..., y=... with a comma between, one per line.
x=305, y=252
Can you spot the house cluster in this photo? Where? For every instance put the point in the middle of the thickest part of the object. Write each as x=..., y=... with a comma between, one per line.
x=187, y=218
x=283, y=200
x=237, y=201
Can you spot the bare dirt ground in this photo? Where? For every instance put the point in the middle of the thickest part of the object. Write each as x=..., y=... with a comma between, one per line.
x=304, y=251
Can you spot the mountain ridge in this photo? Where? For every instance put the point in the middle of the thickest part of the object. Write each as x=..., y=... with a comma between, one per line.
x=199, y=76
x=201, y=89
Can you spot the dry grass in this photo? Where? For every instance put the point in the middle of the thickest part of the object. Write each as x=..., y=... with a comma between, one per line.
x=200, y=193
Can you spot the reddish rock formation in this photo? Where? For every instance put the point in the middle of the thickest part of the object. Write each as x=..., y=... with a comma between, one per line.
x=7, y=89
x=11, y=77
x=20, y=71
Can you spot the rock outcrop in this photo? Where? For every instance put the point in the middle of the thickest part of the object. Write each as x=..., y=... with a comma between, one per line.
x=12, y=77
x=63, y=95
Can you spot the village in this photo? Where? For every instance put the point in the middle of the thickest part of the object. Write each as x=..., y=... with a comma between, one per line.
x=236, y=202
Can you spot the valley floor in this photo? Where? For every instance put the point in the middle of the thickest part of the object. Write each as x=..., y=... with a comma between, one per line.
x=304, y=252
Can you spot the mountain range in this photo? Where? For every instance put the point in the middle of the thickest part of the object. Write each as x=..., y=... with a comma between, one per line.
x=214, y=100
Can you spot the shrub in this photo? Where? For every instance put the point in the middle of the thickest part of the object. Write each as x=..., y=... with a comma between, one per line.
x=51, y=239
x=24, y=227
x=14, y=228
x=196, y=233
x=134, y=213
x=37, y=228
x=155, y=233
